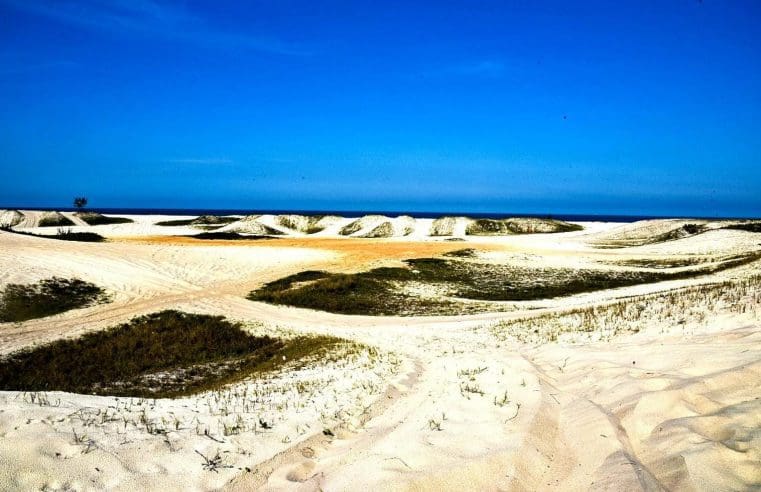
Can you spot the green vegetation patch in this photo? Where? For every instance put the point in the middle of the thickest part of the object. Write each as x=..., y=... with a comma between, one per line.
x=746, y=226
x=384, y=229
x=307, y=224
x=55, y=220
x=166, y=354
x=660, y=263
x=93, y=218
x=62, y=235
x=496, y=227
x=21, y=302
x=351, y=228
x=176, y=222
x=203, y=221
x=452, y=285
x=363, y=293
x=67, y=235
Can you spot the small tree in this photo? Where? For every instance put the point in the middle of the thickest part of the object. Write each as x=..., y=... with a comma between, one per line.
x=80, y=202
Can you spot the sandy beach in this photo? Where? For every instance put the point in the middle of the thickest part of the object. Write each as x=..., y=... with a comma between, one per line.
x=525, y=397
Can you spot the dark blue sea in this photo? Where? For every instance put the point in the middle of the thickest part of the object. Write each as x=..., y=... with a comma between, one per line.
x=357, y=213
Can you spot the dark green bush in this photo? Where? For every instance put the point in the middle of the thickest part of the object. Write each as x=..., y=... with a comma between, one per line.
x=20, y=302
x=746, y=226
x=175, y=222
x=203, y=220
x=62, y=234
x=93, y=218
x=54, y=221
x=164, y=354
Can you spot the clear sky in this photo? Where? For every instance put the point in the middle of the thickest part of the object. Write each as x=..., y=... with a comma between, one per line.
x=629, y=107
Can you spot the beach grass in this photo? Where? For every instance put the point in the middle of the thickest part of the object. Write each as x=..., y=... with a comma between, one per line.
x=165, y=354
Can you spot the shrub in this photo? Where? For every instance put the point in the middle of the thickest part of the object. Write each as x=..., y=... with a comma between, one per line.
x=55, y=295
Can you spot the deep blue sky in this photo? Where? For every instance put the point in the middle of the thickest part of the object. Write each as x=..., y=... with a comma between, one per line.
x=630, y=107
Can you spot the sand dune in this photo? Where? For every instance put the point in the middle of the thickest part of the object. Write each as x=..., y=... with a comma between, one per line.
x=256, y=225
x=447, y=404
x=308, y=224
x=368, y=226
x=10, y=218
x=449, y=226
x=659, y=231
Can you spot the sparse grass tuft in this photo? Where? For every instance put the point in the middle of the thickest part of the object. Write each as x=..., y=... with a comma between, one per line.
x=20, y=302
x=165, y=354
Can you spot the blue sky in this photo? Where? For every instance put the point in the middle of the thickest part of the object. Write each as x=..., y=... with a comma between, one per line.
x=631, y=107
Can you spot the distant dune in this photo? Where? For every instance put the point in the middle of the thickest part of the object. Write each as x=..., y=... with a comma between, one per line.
x=367, y=226
x=10, y=218
x=251, y=224
x=307, y=224
x=521, y=225
x=656, y=231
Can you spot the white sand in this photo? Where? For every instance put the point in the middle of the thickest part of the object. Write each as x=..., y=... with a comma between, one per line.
x=675, y=406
